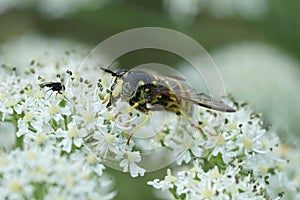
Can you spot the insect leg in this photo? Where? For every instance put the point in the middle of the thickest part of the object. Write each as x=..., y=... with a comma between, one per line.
x=127, y=110
x=138, y=127
x=191, y=122
x=194, y=125
x=106, y=98
x=50, y=94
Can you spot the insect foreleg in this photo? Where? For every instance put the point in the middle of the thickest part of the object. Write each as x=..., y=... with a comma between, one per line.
x=138, y=127
x=127, y=110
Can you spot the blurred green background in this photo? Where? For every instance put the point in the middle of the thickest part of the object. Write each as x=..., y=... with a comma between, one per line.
x=255, y=44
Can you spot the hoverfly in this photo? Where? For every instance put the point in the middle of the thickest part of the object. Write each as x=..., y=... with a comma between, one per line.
x=147, y=91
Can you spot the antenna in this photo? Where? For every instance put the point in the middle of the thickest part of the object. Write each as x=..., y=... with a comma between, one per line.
x=109, y=71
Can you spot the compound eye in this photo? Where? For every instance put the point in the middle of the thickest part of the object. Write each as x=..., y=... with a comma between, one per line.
x=128, y=89
x=127, y=86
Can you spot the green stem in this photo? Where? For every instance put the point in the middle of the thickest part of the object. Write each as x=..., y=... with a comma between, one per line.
x=66, y=122
x=19, y=142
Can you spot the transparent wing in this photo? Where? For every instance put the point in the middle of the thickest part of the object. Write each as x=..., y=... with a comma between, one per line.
x=200, y=99
x=209, y=102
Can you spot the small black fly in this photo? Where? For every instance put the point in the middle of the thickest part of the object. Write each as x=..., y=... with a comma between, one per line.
x=57, y=87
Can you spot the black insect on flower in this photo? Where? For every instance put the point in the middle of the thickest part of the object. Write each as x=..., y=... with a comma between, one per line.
x=57, y=87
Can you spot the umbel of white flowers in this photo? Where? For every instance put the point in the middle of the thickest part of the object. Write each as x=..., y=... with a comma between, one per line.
x=243, y=160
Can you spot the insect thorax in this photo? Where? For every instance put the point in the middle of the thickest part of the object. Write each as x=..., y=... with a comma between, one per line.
x=133, y=82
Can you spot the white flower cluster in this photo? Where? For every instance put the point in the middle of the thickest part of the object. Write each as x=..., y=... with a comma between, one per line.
x=247, y=64
x=49, y=163
x=47, y=160
x=241, y=162
x=46, y=174
x=45, y=117
x=65, y=133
